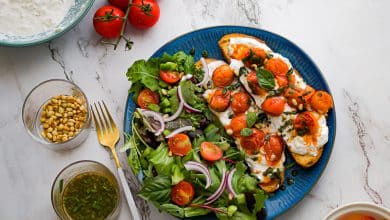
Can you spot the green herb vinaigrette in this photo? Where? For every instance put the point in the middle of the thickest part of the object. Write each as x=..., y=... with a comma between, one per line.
x=90, y=196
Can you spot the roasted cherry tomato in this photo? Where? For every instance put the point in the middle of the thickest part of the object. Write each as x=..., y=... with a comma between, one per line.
x=254, y=84
x=122, y=4
x=220, y=100
x=240, y=102
x=223, y=76
x=144, y=13
x=240, y=51
x=273, y=149
x=182, y=193
x=210, y=151
x=298, y=97
x=279, y=69
x=169, y=77
x=146, y=97
x=258, y=52
x=274, y=105
x=256, y=56
x=107, y=21
x=305, y=123
x=321, y=101
x=254, y=142
x=180, y=144
x=237, y=124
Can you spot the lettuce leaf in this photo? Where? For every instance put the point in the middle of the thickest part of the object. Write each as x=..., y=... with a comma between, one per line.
x=161, y=161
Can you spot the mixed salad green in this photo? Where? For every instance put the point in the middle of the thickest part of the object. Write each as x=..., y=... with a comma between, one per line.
x=186, y=178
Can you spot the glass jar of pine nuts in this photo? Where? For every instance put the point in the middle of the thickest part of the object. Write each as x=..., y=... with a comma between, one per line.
x=56, y=113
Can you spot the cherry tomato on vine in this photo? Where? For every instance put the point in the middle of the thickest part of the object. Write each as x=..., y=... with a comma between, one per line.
x=108, y=21
x=120, y=3
x=144, y=13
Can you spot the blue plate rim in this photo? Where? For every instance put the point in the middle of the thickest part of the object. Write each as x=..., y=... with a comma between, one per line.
x=306, y=56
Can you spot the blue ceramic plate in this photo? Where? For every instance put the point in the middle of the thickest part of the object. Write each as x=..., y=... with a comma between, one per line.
x=206, y=39
x=74, y=16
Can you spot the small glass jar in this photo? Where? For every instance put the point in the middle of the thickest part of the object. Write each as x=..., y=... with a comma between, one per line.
x=35, y=101
x=73, y=170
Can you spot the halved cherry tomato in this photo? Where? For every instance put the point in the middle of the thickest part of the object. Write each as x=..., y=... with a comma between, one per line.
x=274, y=105
x=169, y=77
x=210, y=151
x=279, y=69
x=259, y=52
x=180, y=144
x=321, y=101
x=305, y=123
x=182, y=193
x=254, y=142
x=223, y=76
x=273, y=149
x=108, y=21
x=237, y=124
x=220, y=100
x=240, y=102
x=254, y=84
x=240, y=51
x=146, y=97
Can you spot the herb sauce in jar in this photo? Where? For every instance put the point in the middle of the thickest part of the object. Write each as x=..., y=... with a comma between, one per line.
x=90, y=196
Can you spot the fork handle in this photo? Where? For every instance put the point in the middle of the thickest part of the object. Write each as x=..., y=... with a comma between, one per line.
x=129, y=197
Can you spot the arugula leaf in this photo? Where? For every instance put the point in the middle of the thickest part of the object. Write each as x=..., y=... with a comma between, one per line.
x=265, y=79
x=145, y=72
x=251, y=119
x=260, y=198
x=156, y=189
x=172, y=209
x=161, y=161
x=246, y=132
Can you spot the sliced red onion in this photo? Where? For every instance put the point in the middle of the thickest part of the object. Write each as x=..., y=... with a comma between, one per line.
x=196, y=166
x=179, y=130
x=206, y=72
x=186, y=105
x=219, y=191
x=158, y=117
x=177, y=113
x=229, y=182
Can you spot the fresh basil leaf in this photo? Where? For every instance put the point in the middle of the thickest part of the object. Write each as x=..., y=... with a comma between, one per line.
x=251, y=119
x=246, y=132
x=172, y=209
x=265, y=79
x=177, y=175
x=156, y=189
x=161, y=161
x=195, y=211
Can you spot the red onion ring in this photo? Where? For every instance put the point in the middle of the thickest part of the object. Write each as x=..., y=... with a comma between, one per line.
x=186, y=105
x=220, y=189
x=196, y=166
x=229, y=182
x=179, y=130
x=158, y=117
x=206, y=72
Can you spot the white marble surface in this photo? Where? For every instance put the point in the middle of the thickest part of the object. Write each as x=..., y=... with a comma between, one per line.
x=349, y=41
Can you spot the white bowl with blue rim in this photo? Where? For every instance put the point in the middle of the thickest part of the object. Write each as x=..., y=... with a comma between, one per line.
x=73, y=17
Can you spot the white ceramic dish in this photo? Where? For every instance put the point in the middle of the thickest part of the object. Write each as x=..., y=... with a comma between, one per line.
x=374, y=210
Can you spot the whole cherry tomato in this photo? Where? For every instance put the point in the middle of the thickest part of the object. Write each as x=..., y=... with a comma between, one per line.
x=144, y=13
x=108, y=21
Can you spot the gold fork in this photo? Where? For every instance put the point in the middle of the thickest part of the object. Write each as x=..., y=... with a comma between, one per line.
x=108, y=136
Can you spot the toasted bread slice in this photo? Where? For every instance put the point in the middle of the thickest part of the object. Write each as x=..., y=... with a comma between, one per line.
x=273, y=185
x=307, y=160
x=223, y=43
